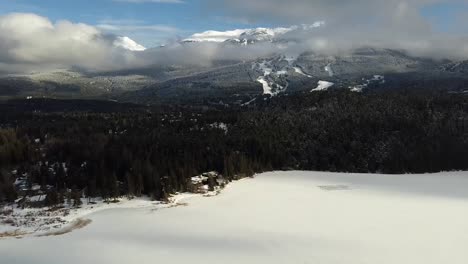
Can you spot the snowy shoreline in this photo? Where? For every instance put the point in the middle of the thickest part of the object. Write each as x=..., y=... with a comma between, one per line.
x=30, y=222
x=39, y=222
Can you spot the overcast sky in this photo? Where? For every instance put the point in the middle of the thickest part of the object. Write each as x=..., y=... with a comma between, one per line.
x=50, y=32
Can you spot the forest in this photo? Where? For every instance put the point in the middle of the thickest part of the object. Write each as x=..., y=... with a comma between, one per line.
x=106, y=149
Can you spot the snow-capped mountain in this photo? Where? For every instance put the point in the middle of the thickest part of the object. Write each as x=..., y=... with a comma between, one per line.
x=128, y=44
x=215, y=36
x=283, y=71
x=248, y=36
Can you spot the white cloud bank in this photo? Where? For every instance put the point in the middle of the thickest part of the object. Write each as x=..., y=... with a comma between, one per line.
x=341, y=12
x=397, y=24
x=29, y=42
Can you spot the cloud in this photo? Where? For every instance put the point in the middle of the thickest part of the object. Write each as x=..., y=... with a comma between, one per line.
x=31, y=42
x=205, y=53
x=136, y=27
x=148, y=34
x=332, y=11
x=395, y=24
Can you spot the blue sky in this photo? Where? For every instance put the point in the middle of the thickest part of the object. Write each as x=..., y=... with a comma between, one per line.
x=448, y=17
x=152, y=23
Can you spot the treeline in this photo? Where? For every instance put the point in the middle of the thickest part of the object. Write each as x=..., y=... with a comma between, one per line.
x=385, y=132
x=156, y=151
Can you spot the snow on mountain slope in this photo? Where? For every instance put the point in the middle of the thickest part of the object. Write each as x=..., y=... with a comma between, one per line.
x=329, y=69
x=128, y=44
x=267, y=89
x=323, y=86
x=215, y=36
x=248, y=35
x=301, y=72
x=376, y=79
x=272, y=77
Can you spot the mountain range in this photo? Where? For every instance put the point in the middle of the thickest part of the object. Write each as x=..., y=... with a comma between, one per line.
x=240, y=80
x=250, y=36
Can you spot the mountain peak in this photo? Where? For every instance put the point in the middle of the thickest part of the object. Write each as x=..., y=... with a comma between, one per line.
x=248, y=35
x=128, y=44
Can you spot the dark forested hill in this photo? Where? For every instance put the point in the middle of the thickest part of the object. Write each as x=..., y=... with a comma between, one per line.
x=108, y=149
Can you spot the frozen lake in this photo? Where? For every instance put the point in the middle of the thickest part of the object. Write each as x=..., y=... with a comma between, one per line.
x=278, y=217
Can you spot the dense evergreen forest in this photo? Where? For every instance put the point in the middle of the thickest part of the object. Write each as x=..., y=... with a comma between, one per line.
x=107, y=149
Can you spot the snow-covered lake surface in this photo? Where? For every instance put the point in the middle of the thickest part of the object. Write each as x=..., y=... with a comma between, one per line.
x=278, y=217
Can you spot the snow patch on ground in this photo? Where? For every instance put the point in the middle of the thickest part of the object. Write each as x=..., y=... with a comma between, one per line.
x=358, y=88
x=221, y=126
x=376, y=79
x=265, y=68
x=290, y=59
x=282, y=72
x=323, y=86
x=329, y=69
x=274, y=79
x=301, y=72
x=249, y=102
x=266, y=86
x=270, y=77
